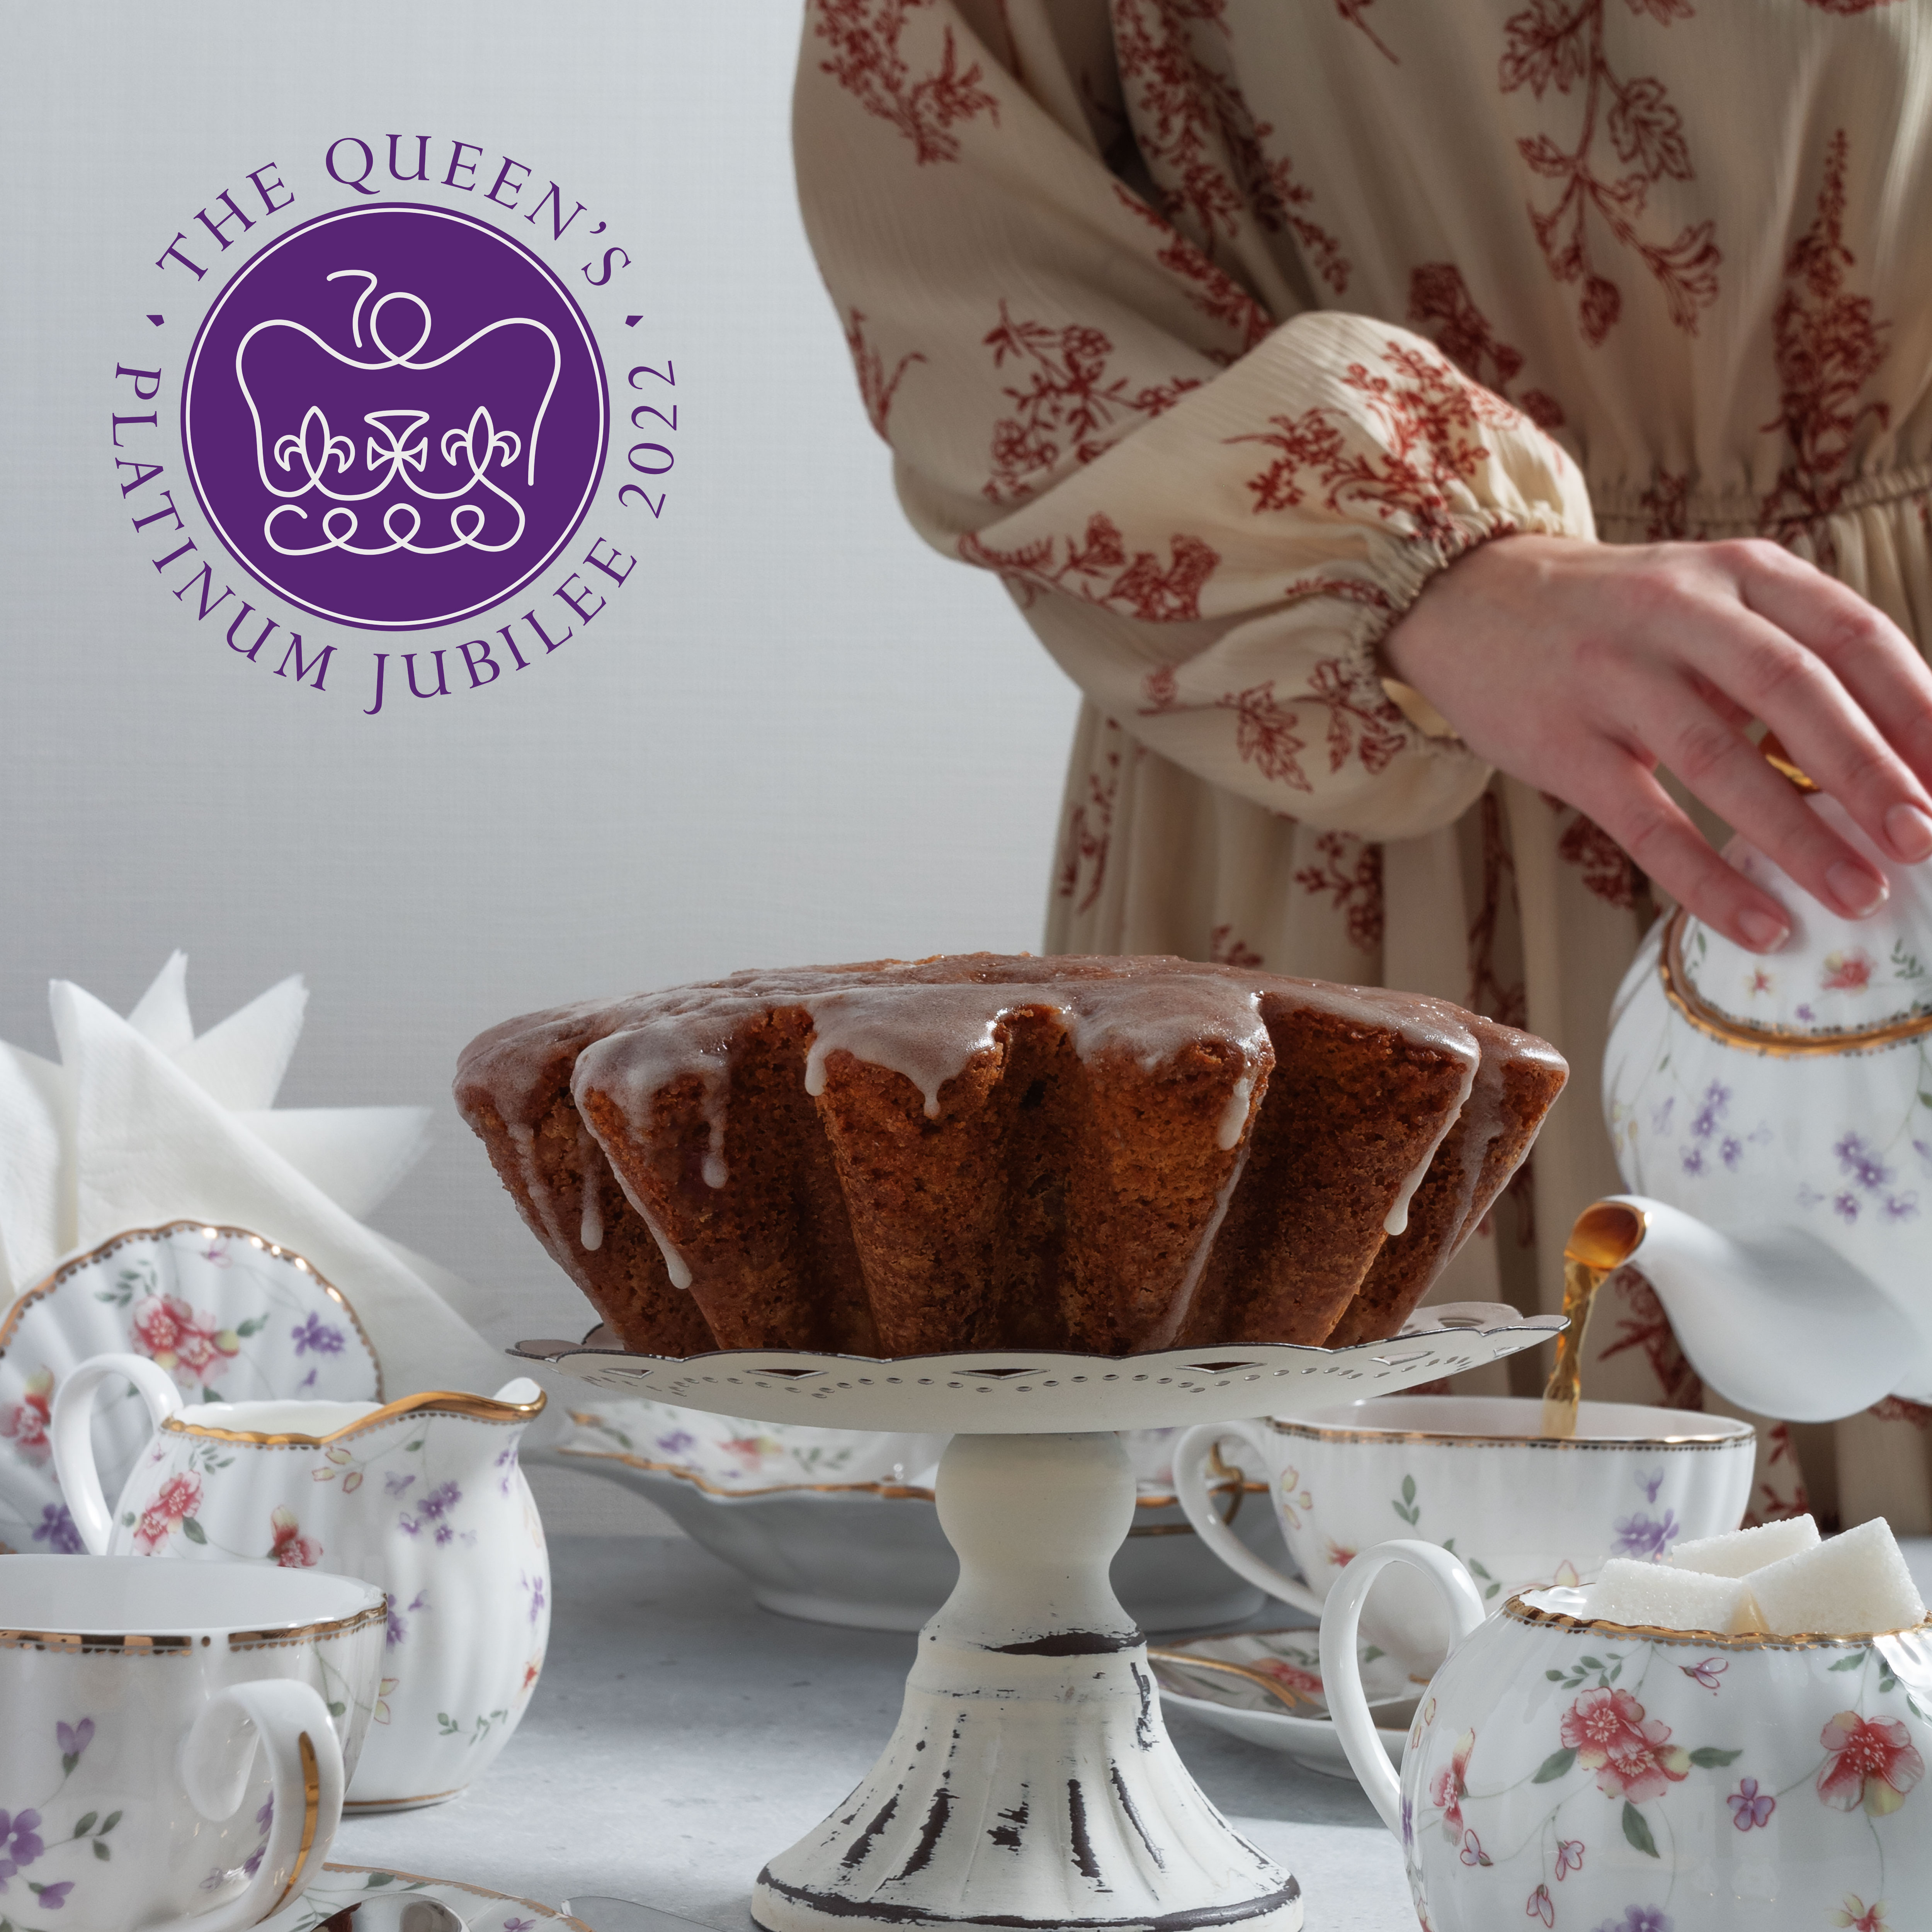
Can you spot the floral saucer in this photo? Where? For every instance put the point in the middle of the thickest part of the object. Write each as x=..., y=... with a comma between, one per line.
x=1266, y=1686
x=364, y=1898
x=231, y=1317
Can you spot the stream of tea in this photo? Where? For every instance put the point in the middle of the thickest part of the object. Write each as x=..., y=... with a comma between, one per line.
x=1564, y=1391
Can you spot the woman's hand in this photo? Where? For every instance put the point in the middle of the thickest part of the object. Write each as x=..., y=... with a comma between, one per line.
x=1579, y=667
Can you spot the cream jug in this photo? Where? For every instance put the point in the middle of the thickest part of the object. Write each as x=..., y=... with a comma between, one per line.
x=423, y=1497
x=1582, y=1774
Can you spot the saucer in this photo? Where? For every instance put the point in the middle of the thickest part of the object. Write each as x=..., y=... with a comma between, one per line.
x=1217, y=1679
x=232, y=1317
x=331, y=1904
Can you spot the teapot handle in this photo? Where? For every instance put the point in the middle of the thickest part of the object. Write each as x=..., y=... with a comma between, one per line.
x=1341, y=1670
x=74, y=1435
x=1191, y=1455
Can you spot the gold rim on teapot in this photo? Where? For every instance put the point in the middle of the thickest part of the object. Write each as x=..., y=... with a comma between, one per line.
x=431, y=1402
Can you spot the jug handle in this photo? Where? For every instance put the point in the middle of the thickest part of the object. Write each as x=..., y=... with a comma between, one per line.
x=306, y=1782
x=1341, y=1670
x=1192, y=1454
x=74, y=1435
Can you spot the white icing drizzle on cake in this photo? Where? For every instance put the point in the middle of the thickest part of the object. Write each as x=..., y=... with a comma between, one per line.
x=590, y=1220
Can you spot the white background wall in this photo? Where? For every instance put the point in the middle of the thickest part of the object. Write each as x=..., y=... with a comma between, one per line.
x=797, y=735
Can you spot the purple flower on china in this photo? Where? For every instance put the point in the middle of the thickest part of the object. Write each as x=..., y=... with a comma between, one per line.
x=57, y=1530
x=1409, y=1825
x=1805, y=1013
x=20, y=1842
x=1902, y=1207
x=1750, y=1808
x=420, y=1601
x=518, y=1925
x=1647, y=1537
x=1638, y=1919
x=397, y=1629
x=74, y=1739
x=1857, y=1159
x=441, y=1500
x=395, y=1484
x=1693, y=1160
x=51, y=1897
x=679, y=1439
x=1704, y=1123
x=1733, y=1151
x=534, y=1585
x=1846, y=1205
x=1650, y=1482
x=317, y=1334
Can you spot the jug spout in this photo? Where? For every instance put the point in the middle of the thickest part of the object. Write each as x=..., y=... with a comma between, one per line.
x=1775, y=1321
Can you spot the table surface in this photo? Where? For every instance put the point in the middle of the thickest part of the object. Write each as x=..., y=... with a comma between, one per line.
x=681, y=1735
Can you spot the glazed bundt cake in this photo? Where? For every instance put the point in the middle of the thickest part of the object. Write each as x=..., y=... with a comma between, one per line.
x=1106, y=1155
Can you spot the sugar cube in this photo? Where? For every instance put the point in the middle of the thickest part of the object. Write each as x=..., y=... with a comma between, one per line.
x=1670, y=1599
x=1744, y=1550
x=1853, y=1586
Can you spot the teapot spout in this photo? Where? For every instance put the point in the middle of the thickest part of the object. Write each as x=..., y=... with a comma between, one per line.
x=1777, y=1321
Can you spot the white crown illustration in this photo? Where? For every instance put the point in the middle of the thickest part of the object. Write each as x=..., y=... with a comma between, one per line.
x=425, y=455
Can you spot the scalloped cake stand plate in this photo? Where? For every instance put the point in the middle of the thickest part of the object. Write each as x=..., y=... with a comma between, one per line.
x=364, y=1898
x=1030, y=1784
x=232, y=1317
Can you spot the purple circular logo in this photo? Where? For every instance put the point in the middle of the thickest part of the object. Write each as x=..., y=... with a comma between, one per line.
x=394, y=416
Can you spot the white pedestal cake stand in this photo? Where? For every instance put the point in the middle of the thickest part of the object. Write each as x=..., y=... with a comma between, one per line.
x=1030, y=1784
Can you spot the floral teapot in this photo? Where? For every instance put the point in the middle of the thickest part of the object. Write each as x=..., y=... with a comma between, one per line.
x=1772, y=1116
x=1591, y=1777
x=422, y=1497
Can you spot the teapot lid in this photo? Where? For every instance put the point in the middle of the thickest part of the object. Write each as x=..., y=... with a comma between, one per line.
x=1839, y=985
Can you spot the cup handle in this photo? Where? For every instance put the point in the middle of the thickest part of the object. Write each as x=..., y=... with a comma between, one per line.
x=1191, y=1455
x=1341, y=1670
x=74, y=1435
x=290, y=1722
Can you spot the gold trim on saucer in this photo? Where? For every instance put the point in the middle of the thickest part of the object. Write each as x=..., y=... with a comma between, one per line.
x=107, y=1247
x=1776, y=1042
x=431, y=1402
x=1518, y=1611
x=349, y=1805
x=1296, y=1701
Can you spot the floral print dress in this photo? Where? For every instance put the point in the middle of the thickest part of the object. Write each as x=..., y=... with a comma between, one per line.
x=1215, y=327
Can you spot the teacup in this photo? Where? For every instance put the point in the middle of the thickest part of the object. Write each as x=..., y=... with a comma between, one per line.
x=423, y=1497
x=1644, y=1779
x=1474, y=1475
x=136, y=1695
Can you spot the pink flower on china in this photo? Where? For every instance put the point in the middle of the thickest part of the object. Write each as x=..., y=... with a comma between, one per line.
x=1451, y=1785
x=1339, y=1555
x=24, y=1422
x=179, y=1498
x=1291, y=1676
x=1541, y=1906
x=1847, y=972
x=1857, y=1916
x=1568, y=1856
x=1630, y=1753
x=290, y=1548
x=1867, y=1760
x=182, y=1340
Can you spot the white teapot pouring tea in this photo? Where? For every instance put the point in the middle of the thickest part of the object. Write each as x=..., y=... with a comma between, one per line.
x=1772, y=1116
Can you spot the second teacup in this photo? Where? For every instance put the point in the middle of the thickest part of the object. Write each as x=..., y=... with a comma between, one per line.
x=1474, y=1475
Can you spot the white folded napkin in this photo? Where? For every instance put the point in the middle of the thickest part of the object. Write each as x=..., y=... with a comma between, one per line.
x=143, y=1123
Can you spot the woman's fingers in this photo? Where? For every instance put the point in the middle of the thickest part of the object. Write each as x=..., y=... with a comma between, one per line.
x=1626, y=800
x=1874, y=662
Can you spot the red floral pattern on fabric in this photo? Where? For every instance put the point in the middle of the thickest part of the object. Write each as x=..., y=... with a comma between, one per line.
x=1349, y=874
x=1440, y=304
x=1430, y=418
x=1667, y=504
x=1642, y=1325
x=1067, y=404
x=1097, y=568
x=1555, y=43
x=1896, y=1409
x=1355, y=12
x=1083, y=869
x=1264, y=734
x=875, y=386
x=1608, y=870
x=1829, y=346
x=864, y=36
x=1847, y=7
x=1225, y=949
x=1781, y=1492
x=1631, y=1754
x=1205, y=149
x=1212, y=290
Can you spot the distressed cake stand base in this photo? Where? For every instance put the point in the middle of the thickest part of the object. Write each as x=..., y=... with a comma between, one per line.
x=1030, y=1782
x=1030, y=1785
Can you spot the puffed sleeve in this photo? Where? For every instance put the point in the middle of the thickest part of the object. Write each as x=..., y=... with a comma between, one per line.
x=1211, y=497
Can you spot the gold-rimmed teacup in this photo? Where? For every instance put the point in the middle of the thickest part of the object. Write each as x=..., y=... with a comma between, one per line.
x=1474, y=1475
